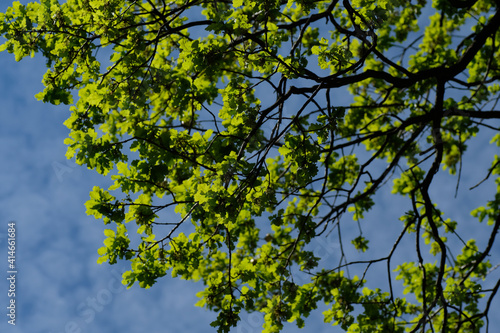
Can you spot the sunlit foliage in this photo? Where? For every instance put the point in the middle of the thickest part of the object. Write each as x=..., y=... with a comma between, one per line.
x=239, y=134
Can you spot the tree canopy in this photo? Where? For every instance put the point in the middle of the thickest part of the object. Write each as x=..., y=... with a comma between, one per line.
x=239, y=134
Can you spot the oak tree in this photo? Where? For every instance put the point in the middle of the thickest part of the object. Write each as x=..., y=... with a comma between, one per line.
x=240, y=134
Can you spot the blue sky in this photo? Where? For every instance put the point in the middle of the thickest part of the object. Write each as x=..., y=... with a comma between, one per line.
x=56, y=241
x=61, y=288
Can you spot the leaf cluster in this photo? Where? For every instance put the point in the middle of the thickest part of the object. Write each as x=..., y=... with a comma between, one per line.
x=241, y=135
